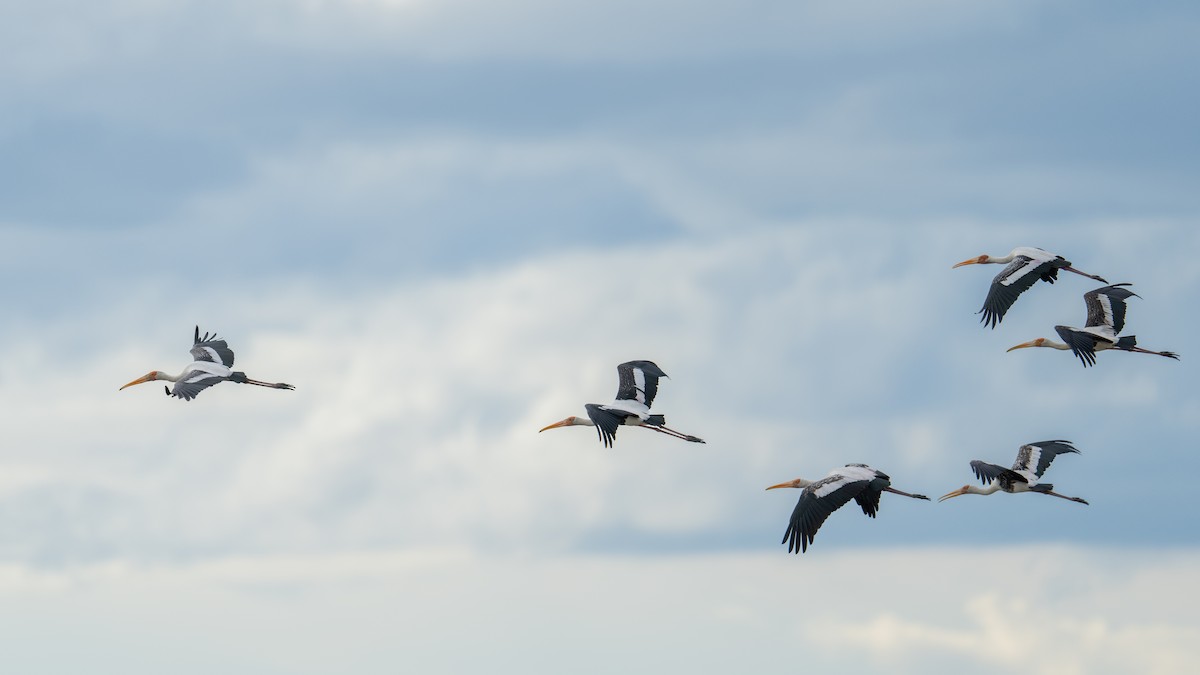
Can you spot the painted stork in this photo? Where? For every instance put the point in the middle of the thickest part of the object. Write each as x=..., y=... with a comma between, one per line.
x=1025, y=266
x=1106, y=318
x=638, y=384
x=822, y=497
x=213, y=364
x=1032, y=461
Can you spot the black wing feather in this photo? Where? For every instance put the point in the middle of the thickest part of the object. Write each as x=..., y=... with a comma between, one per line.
x=987, y=473
x=1001, y=296
x=210, y=346
x=810, y=512
x=1049, y=450
x=627, y=388
x=190, y=386
x=1082, y=344
x=868, y=499
x=606, y=423
x=1116, y=296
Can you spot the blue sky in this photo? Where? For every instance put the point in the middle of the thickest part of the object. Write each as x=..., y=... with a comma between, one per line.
x=447, y=222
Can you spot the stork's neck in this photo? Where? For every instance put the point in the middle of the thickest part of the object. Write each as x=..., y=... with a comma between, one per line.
x=994, y=486
x=160, y=375
x=1043, y=342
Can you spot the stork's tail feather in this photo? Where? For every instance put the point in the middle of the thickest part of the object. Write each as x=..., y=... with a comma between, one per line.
x=1129, y=344
x=656, y=420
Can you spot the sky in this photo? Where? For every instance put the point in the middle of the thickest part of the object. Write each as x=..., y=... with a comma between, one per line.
x=446, y=222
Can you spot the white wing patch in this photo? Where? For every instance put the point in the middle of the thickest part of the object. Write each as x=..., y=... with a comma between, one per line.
x=1029, y=476
x=1028, y=267
x=839, y=478
x=629, y=406
x=1034, y=252
x=1105, y=333
x=836, y=481
x=207, y=369
x=1106, y=307
x=639, y=385
x=856, y=472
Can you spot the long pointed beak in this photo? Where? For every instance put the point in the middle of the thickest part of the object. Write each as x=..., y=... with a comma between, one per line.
x=957, y=493
x=790, y=483
x=561, y=423
x=141, y=380
x=1023, y=345
x=972, y=261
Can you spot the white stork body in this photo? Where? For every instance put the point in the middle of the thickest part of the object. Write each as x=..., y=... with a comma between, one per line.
x=1032, y=461
x=636, y=389
x=1025, y=265
x=200, y=370
x=213, y=364
x=820, y=498
x=1106, y=317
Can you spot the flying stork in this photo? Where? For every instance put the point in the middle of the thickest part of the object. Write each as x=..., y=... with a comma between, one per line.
x=1106, y=318
x=213, y=363
x=1025, y=266
x=1032, y=461
x=822, y=497
x=635, y=394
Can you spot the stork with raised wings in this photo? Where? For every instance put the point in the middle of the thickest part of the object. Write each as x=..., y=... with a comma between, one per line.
x=1032, y=461
x=213, y=364
x=1025, y=266
x=638, y=385
x=820, y=498
x=1106, y=318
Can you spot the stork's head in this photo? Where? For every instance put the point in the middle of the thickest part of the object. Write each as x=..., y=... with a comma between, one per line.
x=148, y=377
x=1038, y=342
x=797, y=483
x=964, y=490
x=570, y=421
x=978, y=260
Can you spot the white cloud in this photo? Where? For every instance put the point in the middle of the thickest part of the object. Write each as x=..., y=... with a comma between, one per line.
x=928, y=610
x=1108, y=622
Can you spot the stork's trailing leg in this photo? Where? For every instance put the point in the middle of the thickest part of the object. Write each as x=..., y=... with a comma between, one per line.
x=676, y=434
x=241, y=378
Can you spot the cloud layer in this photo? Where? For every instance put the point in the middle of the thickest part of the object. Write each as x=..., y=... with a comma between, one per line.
x=414, y=422
x=447, y=222
x=1045, y=609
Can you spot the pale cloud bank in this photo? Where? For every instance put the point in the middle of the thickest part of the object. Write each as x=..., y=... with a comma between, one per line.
x=1042, y=609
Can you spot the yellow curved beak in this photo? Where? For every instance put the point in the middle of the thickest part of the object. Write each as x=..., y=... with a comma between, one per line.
x=790, y=483
x=561, y=423
x=972, y=261
x=143, y=379
x=1023, y=345
x=957, y=493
